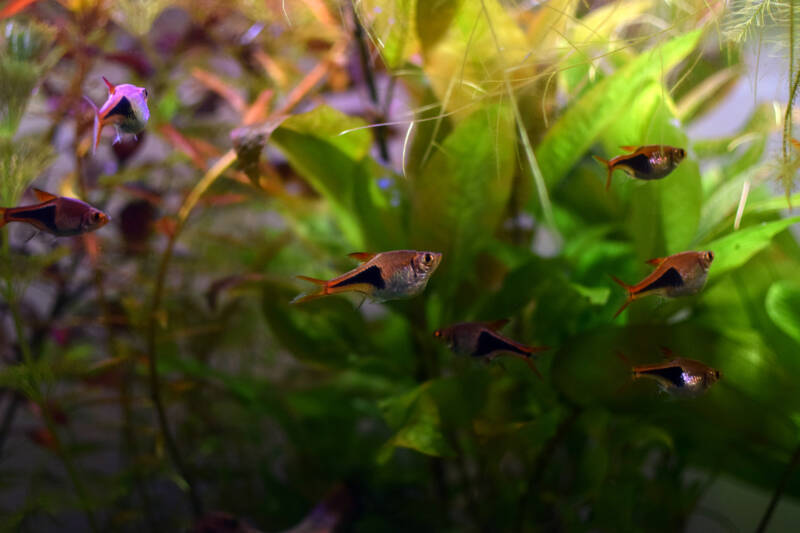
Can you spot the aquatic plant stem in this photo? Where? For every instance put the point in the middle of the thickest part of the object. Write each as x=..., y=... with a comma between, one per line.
x=369, y=79
x=36, y=396
x=776, y=496
x=222, y=164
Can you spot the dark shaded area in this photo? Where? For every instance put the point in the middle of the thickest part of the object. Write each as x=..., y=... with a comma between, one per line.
x=639, y=164
x=670, y=278
x=122, y=108
x=370, y=276
x=673, y=374
x=46, y=216
x=489, y=342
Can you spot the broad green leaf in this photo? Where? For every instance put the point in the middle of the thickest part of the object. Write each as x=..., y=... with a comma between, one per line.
x=670, y=209
x=421, y=424
x=735, y=249
x=392, y=28
x=783, y=307
x=460, y=195
x=433, y=19
x=335, y=164
x=468, y=62
x=585, y=120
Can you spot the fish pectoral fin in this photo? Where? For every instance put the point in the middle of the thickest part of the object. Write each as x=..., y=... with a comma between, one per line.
x=629, y=148
x=43, y=196
x=362, y=256
x=497, y=324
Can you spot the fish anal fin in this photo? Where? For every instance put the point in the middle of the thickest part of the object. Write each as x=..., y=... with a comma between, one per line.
x=43, y=196
x=629, y=148
x=496, y=325
x=111, y=86
x=362, y=256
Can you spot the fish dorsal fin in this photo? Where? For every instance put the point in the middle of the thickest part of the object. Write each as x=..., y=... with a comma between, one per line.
x=362, y=256
x=629, y=148
x=656, y=261
x=111, y=86
x=43, y=196
x=496, y=325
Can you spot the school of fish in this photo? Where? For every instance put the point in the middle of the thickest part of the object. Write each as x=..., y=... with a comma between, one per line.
x=401, y=274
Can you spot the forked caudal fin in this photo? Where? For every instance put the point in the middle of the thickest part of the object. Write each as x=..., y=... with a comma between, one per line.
x=628, y=290
x=607, y=164
x=306, y=297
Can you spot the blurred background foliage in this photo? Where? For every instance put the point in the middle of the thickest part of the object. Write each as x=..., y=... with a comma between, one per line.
x=155, y=377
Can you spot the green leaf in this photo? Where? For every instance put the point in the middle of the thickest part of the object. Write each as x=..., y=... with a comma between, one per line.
x=460, y=195
x=391, y=26
x=735, y=249
x=433, y=20
x=783, y=307
x=595, y=295
x=569, y=138
x=479, y=46
x=335, y=164
x=421, y=424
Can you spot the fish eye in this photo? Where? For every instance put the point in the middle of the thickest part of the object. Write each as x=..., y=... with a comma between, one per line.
x=146, y=93
x=428, y=258
x=96, y=216
x=710, y=255
x=716, y=374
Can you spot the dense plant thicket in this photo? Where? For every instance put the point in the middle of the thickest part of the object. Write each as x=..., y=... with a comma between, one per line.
x=154, y=371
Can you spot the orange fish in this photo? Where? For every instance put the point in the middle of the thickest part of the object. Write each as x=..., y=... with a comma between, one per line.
x=57, y=215
x=481, y=339
x=645, y=162
x=383, y=276
x=678, y=376
x=681, y=274
x=126, y=108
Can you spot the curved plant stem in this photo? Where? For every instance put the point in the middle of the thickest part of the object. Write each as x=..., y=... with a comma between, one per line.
x=155, y=310
x=776, y=496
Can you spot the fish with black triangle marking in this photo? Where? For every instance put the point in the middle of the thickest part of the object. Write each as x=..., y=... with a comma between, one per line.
x=57, y=215
x=393, y=275
x=677, y=376
x=652, y=162
x=126, y=108
x=482, y=340
x=682, y=274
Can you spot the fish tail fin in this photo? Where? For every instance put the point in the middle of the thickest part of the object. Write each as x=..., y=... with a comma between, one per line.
x=98, y=125
x=526, y=352
x=533, y=368
x=628, y=289
x=607, y=164
x=323, y=290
